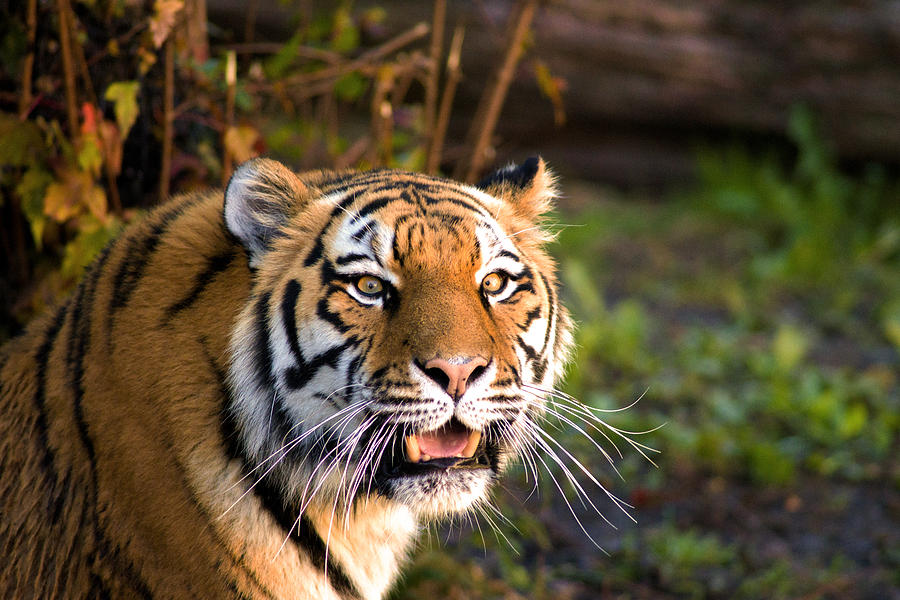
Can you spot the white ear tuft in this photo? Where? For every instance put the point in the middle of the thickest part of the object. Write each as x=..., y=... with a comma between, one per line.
x=260, y=197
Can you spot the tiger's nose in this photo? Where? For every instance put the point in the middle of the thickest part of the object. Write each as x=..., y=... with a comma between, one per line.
x=452, y=376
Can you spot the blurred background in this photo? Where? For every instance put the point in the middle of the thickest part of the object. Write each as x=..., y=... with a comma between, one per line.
x=728, y=241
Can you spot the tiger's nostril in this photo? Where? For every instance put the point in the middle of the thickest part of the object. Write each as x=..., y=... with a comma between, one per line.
x=438, y=376
x=453, y=377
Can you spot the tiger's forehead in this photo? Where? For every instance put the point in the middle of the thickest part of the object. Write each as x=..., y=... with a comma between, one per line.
x=414, y=224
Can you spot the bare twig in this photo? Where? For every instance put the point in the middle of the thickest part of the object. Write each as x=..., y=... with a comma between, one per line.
x=65, y=43
x=193, y=30
x=366, y=59
x=353, y=154
x=436, y=143
x=431, y=85
x=78, y=54
x=382, y=118
x=28, y=63
x=250, y=21
x=307, y=52
x=491, y=102
x=230, y=93
x=168, y=117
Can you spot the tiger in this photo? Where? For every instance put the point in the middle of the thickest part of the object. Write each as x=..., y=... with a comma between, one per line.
x=269, y=391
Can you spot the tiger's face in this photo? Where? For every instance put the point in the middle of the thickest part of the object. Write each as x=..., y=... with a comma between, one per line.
x=401, y=336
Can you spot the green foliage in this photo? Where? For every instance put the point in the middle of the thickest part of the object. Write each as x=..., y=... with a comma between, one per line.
x=813, y=219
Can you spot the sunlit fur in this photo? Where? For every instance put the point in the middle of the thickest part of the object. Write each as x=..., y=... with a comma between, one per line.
x=211, y=413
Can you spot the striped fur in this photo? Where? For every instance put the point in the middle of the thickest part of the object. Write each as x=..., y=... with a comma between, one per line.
x=219, y=409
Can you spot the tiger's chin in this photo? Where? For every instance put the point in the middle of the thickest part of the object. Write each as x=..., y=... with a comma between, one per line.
x=442, y=472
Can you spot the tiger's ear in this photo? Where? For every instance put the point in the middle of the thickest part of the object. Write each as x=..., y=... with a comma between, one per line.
x=261, y=196
x=529, y=187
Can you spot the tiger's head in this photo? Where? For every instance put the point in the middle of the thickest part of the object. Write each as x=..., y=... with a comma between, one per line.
x=401, y=334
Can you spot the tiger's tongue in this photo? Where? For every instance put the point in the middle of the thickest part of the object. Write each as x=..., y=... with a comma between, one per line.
x=443, y=442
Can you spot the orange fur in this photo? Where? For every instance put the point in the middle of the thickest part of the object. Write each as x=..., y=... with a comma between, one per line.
x=116, y=476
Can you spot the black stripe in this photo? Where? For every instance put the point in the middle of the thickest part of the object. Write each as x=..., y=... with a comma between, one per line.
x=214, y=266
x=551, y=303
x=325, y=314
x=273, y=502
x=54, y=491
x=375, y=205
x=288, y=306
x=299, y=375
x=308, y=538
x=530, y=316
x=318, y=248
x=78, y=343
x=522, y=287
x=137, y=255
x=349, y=258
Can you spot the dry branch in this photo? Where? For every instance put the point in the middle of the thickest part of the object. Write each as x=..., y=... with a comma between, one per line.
x=65, y=43
x=168, y=117
x=382, y=118
x=370, y=58
x=431, y=85
x=485, y=121
x=28, y=63
x=436, y=143
x=230, y=93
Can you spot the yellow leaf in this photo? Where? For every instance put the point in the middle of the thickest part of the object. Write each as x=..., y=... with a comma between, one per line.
x=72, y=194
x=553, y=88
x=123, y=95
x=240, y=142
x=59, y=204
x=163, y=19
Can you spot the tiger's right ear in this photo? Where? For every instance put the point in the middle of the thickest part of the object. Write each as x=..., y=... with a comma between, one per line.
x=261, y=196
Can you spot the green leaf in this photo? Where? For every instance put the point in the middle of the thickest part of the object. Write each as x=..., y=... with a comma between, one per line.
x=92, y=236
x=345, y=34
x=123, y=95
x=789, y=347
x=31, y=191
x=276, y=65
x=90, y=159
x=350, y=87
x=21, y=142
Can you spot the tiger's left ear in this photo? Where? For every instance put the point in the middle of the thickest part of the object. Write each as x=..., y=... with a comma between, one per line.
x=260, y=198
x=530, y=187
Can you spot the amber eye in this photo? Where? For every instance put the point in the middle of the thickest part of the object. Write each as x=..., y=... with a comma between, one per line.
x=493, y=283
x=369, y=285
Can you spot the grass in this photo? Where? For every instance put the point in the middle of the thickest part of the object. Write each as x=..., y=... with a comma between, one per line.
x=758, y=319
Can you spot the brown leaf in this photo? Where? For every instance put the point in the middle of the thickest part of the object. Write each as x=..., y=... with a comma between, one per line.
x=111, y=146
x=163, y=19
x=240, y=142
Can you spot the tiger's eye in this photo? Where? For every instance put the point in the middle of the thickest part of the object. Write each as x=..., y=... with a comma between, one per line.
x=369, y=285
x=493, y=283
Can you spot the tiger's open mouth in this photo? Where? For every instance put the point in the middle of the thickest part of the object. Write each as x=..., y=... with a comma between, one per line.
x=452, y=446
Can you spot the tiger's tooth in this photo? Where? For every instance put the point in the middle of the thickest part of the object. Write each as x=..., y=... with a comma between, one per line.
x=426, y=457
x=472, y=445
x=413, y=454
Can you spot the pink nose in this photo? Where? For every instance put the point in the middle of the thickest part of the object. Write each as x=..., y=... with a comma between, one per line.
x=453, y=376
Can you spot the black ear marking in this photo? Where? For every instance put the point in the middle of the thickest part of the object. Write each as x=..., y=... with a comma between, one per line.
x=260, y=197
x=529, y=188
x=518, y=176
